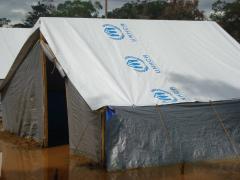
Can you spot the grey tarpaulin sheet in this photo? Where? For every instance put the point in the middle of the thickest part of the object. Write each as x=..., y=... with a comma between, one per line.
x=84, y=125
x=22, y=99
x=150, y=136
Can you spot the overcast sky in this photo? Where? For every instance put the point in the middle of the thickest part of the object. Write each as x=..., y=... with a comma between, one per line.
x=16, y=9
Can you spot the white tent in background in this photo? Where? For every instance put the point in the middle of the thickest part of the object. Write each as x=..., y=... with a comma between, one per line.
x=129, y=93
x=11, y=42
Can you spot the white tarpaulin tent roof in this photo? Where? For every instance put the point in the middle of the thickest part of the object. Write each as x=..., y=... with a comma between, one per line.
x=11, y=42
x=145, y=62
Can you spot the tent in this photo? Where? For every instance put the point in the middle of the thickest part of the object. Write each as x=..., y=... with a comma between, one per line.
x=11, y=41
x=127, y=93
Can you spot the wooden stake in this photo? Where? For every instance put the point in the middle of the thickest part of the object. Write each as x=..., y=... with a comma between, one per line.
x=182, y=168
x=45, y=94
x=103, y=126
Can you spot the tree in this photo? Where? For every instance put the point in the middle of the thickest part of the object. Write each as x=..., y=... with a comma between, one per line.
x=4, y=21
x=159, y=9
x=140, y=10
x=43, y=8
x=19, y=25
x=228, y=16
x=46, y=8
x=78, y=8
x=183, y=10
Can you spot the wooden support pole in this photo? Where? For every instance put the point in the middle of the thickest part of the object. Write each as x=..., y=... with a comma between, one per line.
x=103, y=128
x=45, y=95
x=106, y=8
x=182, y=169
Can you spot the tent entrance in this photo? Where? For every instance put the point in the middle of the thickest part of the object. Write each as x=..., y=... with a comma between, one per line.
x=57, y=107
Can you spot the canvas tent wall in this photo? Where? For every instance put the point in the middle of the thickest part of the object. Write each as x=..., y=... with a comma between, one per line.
x=11, y=41
x=153, y=89
x=28, y=111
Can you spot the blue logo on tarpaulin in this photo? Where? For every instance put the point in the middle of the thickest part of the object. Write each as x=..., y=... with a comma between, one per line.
x=136, y=63
x=164, y=96
x=113, y=32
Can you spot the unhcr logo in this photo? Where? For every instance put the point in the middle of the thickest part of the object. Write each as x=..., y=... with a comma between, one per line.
x=136, y=64
x=177, y=93
x=113, y=32
x=164, y=96
x=142, y=65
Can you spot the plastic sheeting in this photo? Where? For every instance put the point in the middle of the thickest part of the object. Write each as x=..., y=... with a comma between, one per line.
x=22, y=99
x=11, y=42
x=84, y=125
x=150, y=136
x=145, y=62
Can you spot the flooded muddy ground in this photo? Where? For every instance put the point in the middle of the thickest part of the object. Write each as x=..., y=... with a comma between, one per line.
x=27, y=161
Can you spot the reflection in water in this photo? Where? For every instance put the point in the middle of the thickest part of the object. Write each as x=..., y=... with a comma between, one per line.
x=56, y=163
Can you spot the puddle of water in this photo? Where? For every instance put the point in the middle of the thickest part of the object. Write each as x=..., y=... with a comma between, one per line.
x=56, y=163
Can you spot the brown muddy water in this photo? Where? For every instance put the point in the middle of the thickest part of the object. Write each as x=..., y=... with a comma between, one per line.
x=57, y=163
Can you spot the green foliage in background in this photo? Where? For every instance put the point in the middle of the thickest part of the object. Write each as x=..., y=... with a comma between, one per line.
x=46, y=8
x=159, y=9
x=228, y=16
x=4, y=21
x=78, y=8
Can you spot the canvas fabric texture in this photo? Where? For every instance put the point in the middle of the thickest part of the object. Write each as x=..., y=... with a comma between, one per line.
x=22, y=99
x=84, y=125
x=152, y=136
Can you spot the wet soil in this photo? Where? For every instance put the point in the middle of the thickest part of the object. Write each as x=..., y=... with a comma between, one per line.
x=25, y=160
x=8, y=137
x=18, y=141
